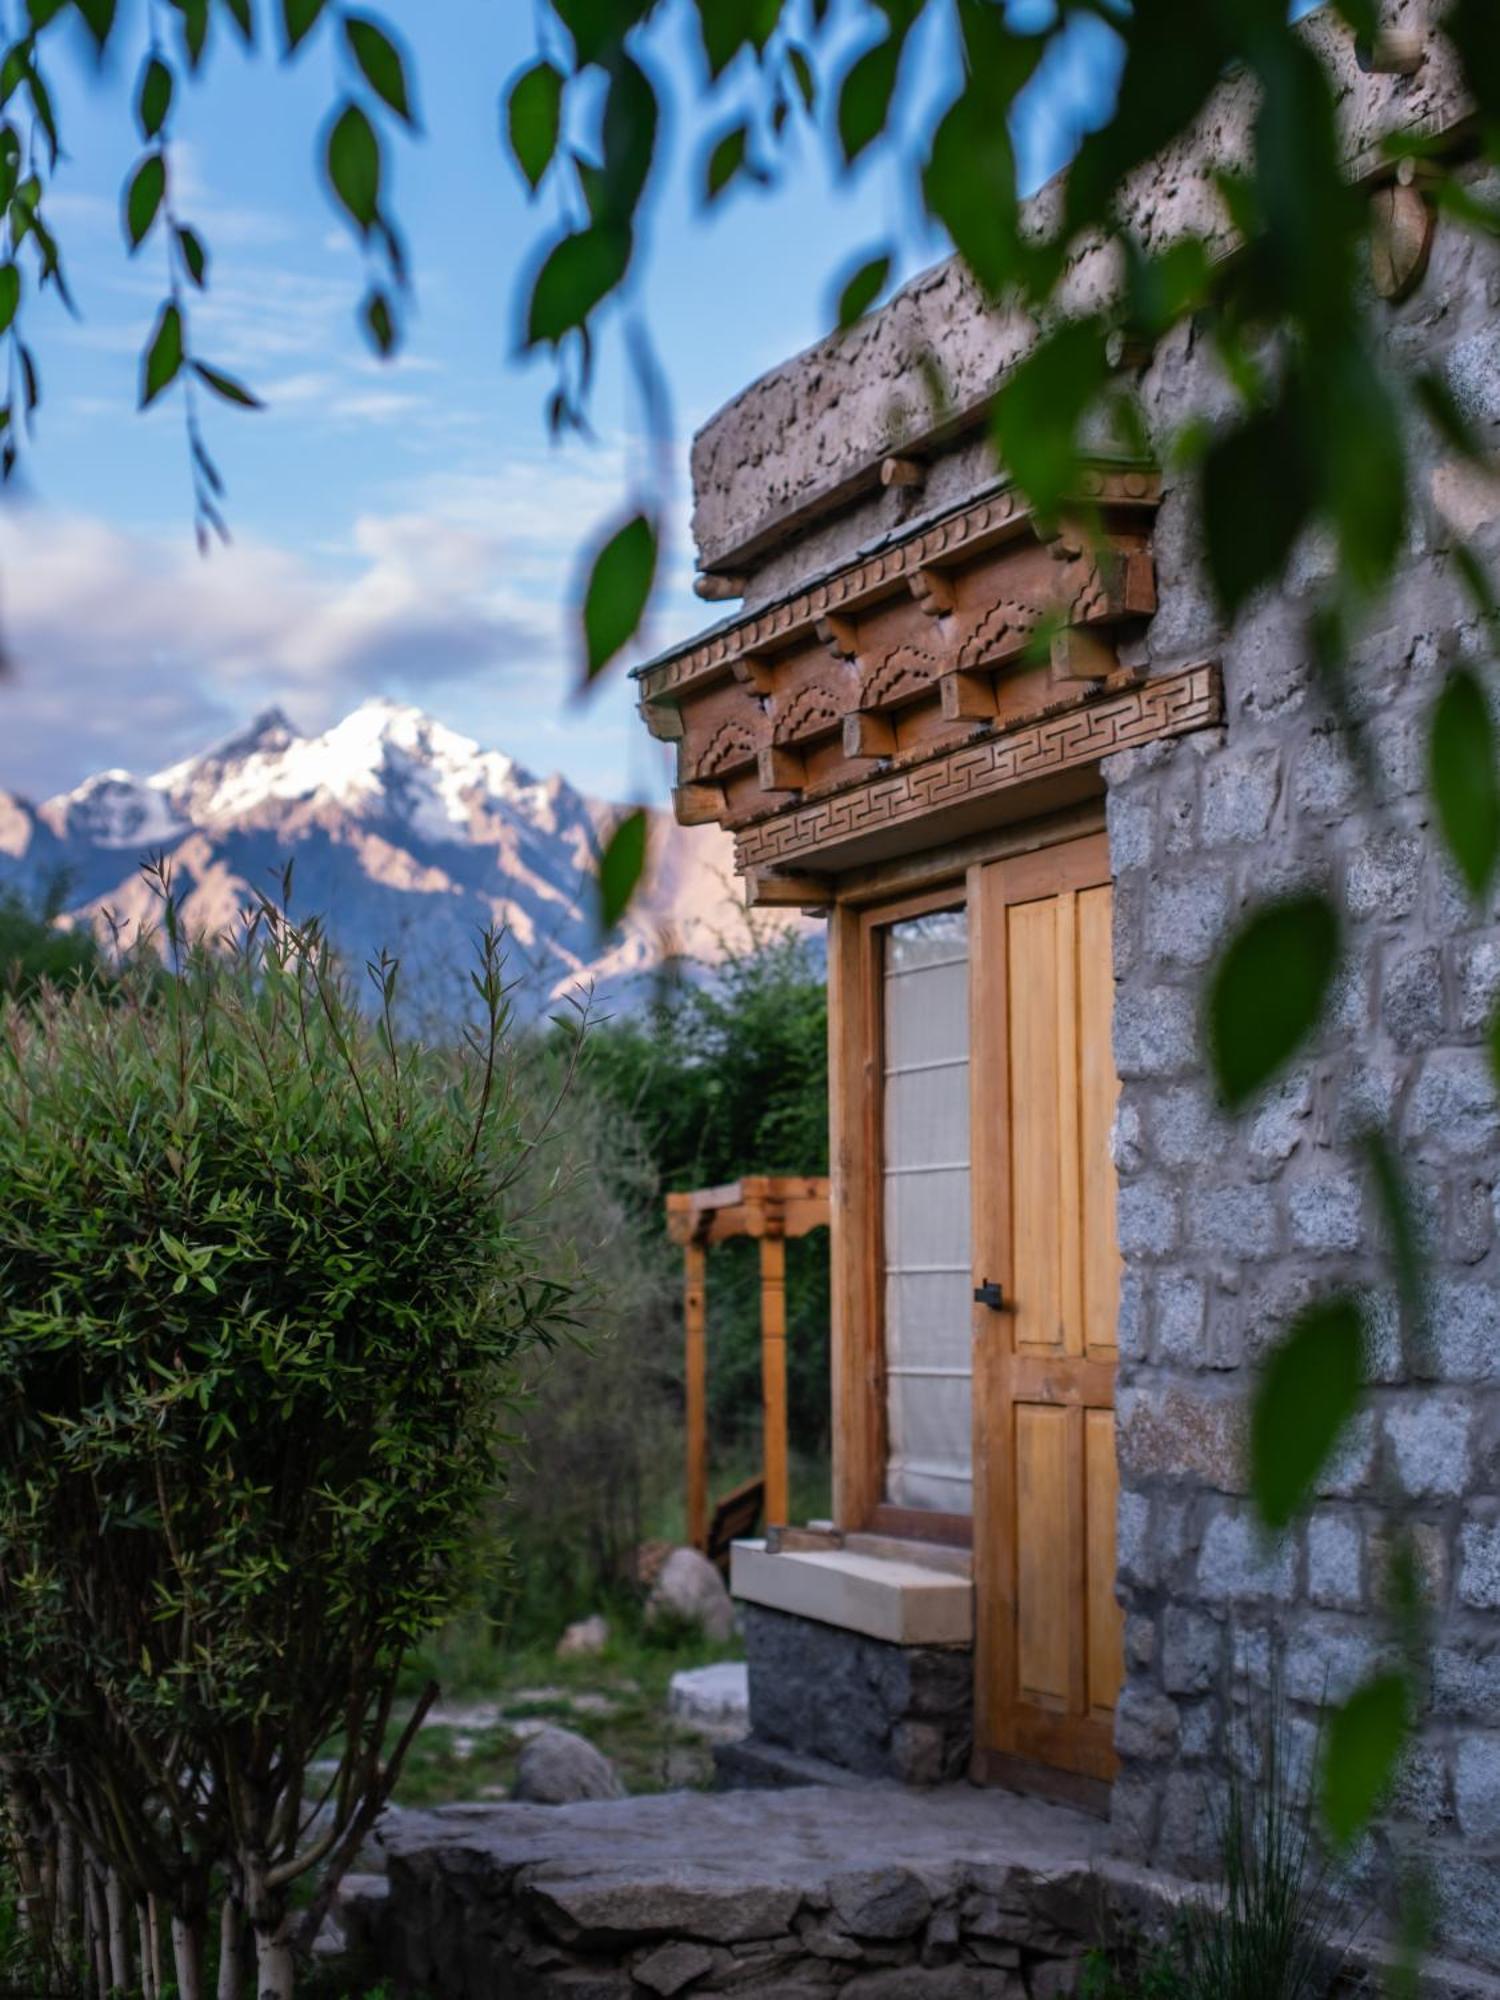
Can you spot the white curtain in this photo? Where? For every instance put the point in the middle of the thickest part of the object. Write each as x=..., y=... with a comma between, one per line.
x=928, y=1278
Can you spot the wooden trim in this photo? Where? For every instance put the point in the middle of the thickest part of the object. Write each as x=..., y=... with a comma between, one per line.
x=695, y=1383
x=856, y=1437
x=912, y=872
x=1024, y=1774
x=919, y=1524
x=773, y=1375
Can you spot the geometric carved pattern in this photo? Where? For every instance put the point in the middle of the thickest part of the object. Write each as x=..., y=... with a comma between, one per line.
x=905, y=670
x=810, y=711
x=730, y=745
x=1169, y=706
x=999, y=632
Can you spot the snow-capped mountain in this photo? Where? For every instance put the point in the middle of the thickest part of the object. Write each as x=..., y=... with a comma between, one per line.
x=404, y=835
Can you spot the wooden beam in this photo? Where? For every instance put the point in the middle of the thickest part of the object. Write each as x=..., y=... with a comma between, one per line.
x=769, y=889
x=932, y=590
x=773, y=1375
x=898, y=471
x=753, y=670
x=839, y=634
x=869, y=735
x=663, y=719
x=1079, y=654
x=853, y=1056
x=715, y=589
x=695, y=1387
x=699, y=804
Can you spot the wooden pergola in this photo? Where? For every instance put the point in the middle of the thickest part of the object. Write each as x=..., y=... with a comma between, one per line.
x=770, y=1210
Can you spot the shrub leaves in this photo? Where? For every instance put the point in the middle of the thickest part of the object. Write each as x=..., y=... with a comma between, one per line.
x=1308, y=1391
x=1269, y=990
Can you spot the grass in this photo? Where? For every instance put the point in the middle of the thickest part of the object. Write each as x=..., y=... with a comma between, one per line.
x=617, y=1699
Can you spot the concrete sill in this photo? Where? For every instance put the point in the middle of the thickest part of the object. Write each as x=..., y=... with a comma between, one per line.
x=899, y=1600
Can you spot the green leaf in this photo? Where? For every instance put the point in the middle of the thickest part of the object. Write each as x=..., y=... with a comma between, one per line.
x=1402, y=1235
x=725, y=161
x=619, y=588
x=227, y=387
x=1256, y=496
x=244, y=19
x=1358, y=449
x=1473, y=27
x=1436, y=401
x=10, y=295
x=380, y=322
x=353, y=163
x=629, y=133
x=1268, y=991
x=298, y=19
x=802, y=72
x=380, y=62
x=154, y=98
x=534, y=119
x=1036, y=416
x=1361, y=1754
x=1462, y=776
x=1305, y=1398
x=99, y=15
x=598, y=27
x=579, y=272
x=163, y=356
x=621, y=866
x=865, y=96
x=193, y=255
x=862, y=288
x=143, y=197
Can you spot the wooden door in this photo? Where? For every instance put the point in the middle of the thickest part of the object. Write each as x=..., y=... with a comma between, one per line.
x=1048, y=1639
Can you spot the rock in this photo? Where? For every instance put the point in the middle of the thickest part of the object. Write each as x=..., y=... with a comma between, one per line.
x=714, y=1700
x=672, y=1966
x=880, y=1902
x=584, y=1639
x=557, y=1768
x=688, y=1588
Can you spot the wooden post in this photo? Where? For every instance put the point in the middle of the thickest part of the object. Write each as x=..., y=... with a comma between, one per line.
x=773, y=1373
x=695, y=1378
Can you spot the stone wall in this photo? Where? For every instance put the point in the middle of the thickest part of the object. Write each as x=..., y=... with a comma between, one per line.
x=882, y=1711
x=1226, y=1228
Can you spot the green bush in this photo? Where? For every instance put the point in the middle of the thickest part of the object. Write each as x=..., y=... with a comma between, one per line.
x=267, y=1281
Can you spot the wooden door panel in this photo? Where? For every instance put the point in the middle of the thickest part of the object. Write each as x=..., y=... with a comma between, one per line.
x=1049, y=1646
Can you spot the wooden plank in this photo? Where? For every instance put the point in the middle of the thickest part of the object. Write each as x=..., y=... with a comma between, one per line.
x=1098, y=1090
x=1044, y=1532
x=695, y=1380
x=1106, y=1620
x=1034, y=1055
x=1069, y=1176
x=773, y=1375
x=852, y=1054
x=990, y=1210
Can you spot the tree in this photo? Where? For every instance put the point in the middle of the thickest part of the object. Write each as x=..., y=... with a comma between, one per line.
x=1315, y=439
x=267, y=1279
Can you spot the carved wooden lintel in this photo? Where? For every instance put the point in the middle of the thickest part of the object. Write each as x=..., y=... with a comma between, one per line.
x=868, y=735
x=773, y=889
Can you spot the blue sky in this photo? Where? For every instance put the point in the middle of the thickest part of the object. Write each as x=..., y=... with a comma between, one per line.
x=409, y=529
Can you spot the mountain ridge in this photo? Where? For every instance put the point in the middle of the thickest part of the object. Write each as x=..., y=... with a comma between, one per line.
x=404, y=835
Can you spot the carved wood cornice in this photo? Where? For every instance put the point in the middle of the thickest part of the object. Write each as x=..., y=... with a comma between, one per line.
x=1080, y=734
x=917, y=564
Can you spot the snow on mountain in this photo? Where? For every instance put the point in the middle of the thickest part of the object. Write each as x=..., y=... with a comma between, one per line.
x=404, y=835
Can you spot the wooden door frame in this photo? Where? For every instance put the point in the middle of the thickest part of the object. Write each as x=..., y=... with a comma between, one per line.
x=935, y=878
x=994, y=889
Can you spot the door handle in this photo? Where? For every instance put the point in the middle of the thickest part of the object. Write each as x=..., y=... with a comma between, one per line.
x=991, y=1295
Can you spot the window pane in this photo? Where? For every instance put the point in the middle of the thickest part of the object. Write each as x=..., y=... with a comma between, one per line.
x=928, y=1275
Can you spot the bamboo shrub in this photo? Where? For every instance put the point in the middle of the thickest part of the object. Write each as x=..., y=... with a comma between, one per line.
x=267, y=1275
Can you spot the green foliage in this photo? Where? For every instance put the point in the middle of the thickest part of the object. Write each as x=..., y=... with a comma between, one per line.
x=1268, y=992
x=266, y=1284
x=1463, y=777
x=862, y=288
x=533, y=117
x=620, y=867
x=1305, y=1400
x=619, y=587
x=1365, y=1740
x=36, y=952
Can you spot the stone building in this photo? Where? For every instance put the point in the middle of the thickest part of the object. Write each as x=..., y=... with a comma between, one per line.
x=1043, y=1568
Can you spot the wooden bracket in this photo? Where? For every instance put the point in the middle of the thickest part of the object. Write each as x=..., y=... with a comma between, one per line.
x=932, y=590
x=716, y=589
x=839, y=634
x=780, y=770
x=663, y=720
x=699, y=805
x=1391, y=52
x=753, y=670
x=967, y=697
x=1400, y=241
x=869, y=735
x=898, y=471
x=1079, y=654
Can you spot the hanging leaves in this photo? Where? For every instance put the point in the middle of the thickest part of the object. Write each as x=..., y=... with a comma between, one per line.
x=143, y=197
x=726, y=159
x=1307, y=1394
x=163, y=360
x=298, y=19
x=380, y=322
x=533, y=113
x=619, y=587
x=226, y=387
x=154, y=97
x=865, y=96
x=1257, y=491
x=380, y=62
x=1461, y=765
x=1268, y=992
x=1035, y=417
x=1362, y=1752
x=621, y=866
x=353, y=164
x=579, y=272
x=10, y=295
x=194, y=256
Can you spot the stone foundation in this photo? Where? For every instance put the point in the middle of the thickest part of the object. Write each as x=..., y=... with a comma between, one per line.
x=881, y=1711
